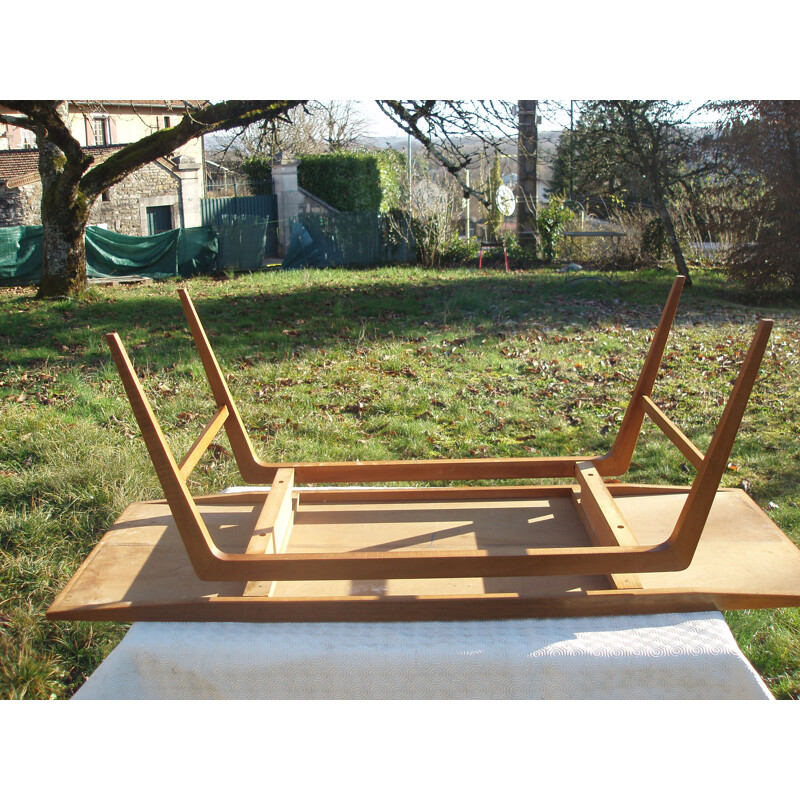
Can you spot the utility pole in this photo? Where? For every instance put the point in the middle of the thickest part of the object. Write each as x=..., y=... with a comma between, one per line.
x=527, y=147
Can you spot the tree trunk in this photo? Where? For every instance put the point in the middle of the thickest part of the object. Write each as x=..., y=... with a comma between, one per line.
x=526, y=172
x=65, y=212
x=669, y=227
x=64, y=251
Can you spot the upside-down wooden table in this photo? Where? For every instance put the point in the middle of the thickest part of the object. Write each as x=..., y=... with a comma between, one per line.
x=434, y=555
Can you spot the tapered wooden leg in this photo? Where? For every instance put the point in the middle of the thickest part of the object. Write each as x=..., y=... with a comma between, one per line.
x=251, y=468
x=692, y=519
x=618, y=460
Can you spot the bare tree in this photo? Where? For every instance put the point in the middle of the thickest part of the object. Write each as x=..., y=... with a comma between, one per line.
x=651, y=130
x=653, y=146
x=315, y=127
x=71, y=184
x=460, y=134
x=457, y=133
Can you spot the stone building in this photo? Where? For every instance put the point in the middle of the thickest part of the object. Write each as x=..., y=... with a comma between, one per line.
x=162, y=195
x=96, y=123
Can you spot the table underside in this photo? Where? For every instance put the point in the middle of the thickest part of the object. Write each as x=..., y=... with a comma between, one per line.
x=140, y=570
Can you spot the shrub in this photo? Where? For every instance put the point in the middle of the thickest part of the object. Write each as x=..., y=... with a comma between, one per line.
x=258, y=170
x=460, y=251
x=519, y=254
x=654, y=240
x=357, y=181
x=392, y=166
x=551, y=221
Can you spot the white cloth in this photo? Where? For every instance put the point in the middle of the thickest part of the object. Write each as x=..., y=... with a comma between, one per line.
x=663, y=656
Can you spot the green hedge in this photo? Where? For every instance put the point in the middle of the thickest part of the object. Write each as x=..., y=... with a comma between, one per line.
x=357, y=181
x=258, y=170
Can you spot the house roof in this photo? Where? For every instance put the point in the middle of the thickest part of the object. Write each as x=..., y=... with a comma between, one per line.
x=174, y=105
x=21, y=166
x=18, y=167
x=16, y=163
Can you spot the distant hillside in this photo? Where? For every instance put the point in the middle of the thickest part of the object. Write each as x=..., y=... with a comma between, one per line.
x=548, y=142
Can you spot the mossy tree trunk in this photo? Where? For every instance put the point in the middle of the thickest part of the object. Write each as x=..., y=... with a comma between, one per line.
x=64, y=248
x=70, y=184
x=65, y=212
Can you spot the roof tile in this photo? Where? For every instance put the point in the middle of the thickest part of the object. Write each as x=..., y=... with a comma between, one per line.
x=16, y=164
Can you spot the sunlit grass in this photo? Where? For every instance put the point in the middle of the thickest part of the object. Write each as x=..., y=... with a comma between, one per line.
x=388, y=363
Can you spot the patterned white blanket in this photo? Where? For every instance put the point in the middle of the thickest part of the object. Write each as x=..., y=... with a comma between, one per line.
x=663, y=656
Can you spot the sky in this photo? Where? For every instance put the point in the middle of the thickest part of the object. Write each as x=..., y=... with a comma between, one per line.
x=381, y=126
x=619, y=48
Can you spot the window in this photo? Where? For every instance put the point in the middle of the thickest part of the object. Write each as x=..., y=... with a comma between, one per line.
x=99, y=128
x=106, y=197
x=166, y=122
x=159, y=219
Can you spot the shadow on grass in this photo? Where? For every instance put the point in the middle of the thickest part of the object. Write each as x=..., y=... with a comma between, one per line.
x=319, y=310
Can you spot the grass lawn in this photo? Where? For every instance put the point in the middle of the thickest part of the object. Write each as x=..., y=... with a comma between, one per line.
x=388, y=363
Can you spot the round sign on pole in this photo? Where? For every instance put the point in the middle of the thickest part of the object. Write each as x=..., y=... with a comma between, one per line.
x=506, y=201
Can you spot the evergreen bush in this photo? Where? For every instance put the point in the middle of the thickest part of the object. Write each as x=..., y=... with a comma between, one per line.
x=551, y=221
x=354, y=181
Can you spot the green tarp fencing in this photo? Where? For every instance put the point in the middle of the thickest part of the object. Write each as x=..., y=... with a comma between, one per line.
x=243, y=241
x=20, y=255
x=345, y=238
x=184, y=252
x=238, y=242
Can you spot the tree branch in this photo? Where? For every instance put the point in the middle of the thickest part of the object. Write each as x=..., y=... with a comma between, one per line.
x=18, y=122
x=453, y=160
x=219, y=116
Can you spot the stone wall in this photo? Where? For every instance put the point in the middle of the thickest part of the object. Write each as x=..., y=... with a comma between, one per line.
x=311, y=204
x=124, y=211
x=20, y=206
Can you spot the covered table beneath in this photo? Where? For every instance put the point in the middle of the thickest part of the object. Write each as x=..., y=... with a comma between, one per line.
x=659, y=656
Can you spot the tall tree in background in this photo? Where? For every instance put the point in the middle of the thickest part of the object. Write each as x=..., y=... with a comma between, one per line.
x=494, y=216
x=591, y=165
x=657, y=148
x=622, y=142
x=527, y=157
x=71, y=184
x=761, y=141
